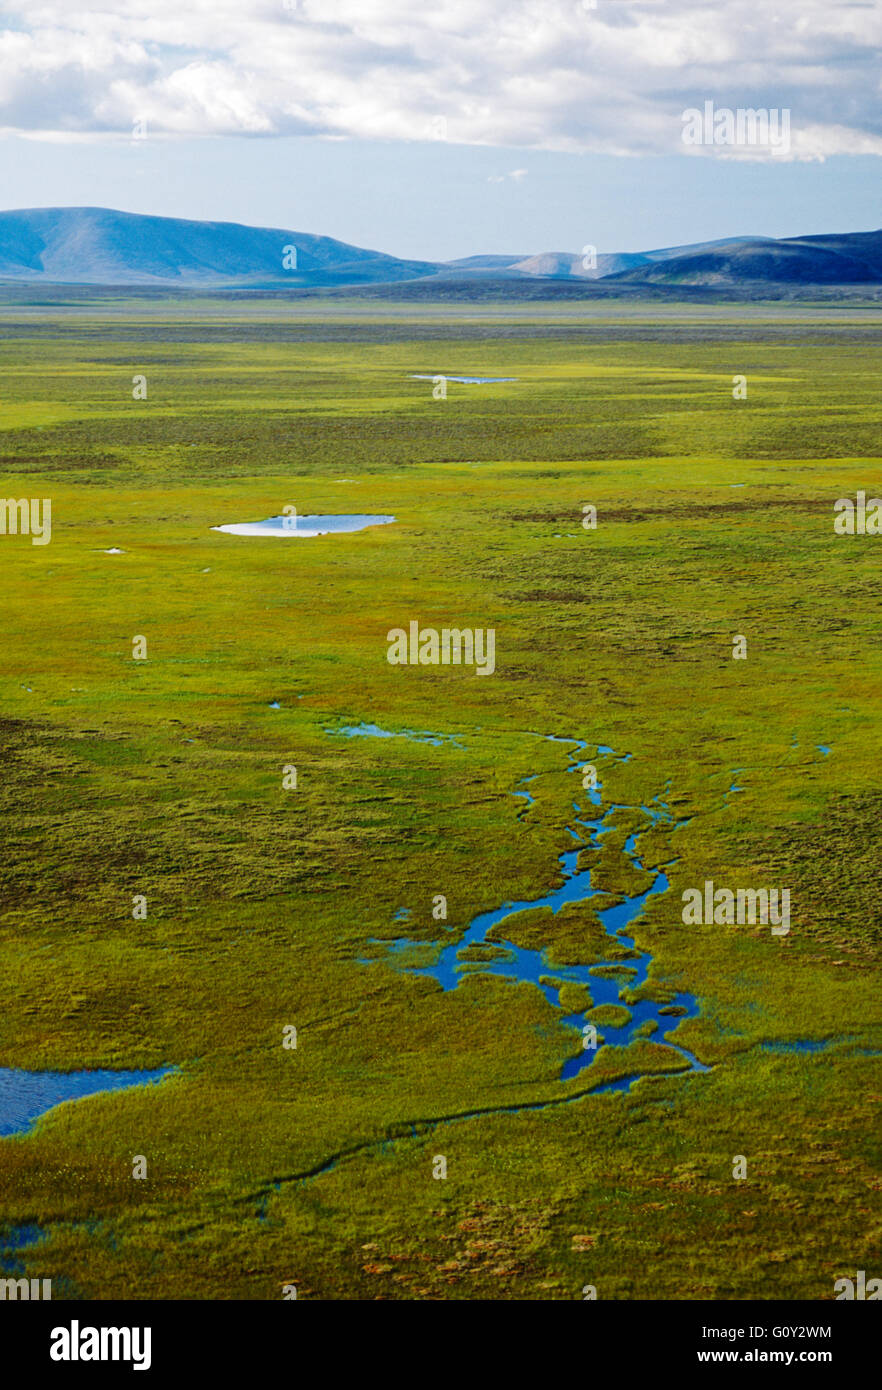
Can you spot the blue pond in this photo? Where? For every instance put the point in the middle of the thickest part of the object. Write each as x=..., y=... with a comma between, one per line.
x=25, y=1095
x=464, y=380
x=374, y=731
x=304, y=527
x=520, y=964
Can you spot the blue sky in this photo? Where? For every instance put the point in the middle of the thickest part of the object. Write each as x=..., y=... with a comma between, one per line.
x=435, y=200
x=445, y=130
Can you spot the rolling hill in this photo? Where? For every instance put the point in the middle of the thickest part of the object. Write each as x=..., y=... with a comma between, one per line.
x=853, y=258
x=68, y=247
x=100, y=246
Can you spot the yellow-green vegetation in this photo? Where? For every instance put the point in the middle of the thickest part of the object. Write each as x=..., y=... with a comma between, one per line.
x=163, y=777
x=610, y=1016
x=574, y=998
x=483, y=955
x=572, y=936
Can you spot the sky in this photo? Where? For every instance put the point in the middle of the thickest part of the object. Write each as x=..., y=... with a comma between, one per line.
x=452, y=128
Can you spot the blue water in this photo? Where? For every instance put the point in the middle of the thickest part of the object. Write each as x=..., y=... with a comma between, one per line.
x=374, y=731
x=465, y=380
x=304, y=527
x=528, y=965
x=17, y=1238
x=524, y=795
x=25, y=1095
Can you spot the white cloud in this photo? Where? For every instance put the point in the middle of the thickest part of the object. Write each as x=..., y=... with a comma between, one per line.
x=543, y=74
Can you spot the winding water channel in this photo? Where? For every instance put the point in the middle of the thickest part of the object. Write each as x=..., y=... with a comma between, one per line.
x=25, y=1095
x=607, y=977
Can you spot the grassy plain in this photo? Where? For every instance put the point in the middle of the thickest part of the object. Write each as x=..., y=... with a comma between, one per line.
x=164, y=778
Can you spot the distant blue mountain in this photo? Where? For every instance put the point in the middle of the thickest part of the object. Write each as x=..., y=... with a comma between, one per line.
x=844, y=258
x=98, y=246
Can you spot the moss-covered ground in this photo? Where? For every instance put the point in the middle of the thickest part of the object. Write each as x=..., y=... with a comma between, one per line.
x=163, y=777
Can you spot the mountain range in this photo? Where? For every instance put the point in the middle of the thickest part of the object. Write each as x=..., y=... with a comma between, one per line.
x=103, y=247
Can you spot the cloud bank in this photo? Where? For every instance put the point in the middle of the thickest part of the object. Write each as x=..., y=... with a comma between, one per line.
x=611, y=77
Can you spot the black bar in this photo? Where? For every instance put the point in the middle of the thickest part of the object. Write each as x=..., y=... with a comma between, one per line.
x=229, y=1338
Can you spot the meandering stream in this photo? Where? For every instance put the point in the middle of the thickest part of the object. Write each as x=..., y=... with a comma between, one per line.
x=25, y=1095
x=608, y=976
